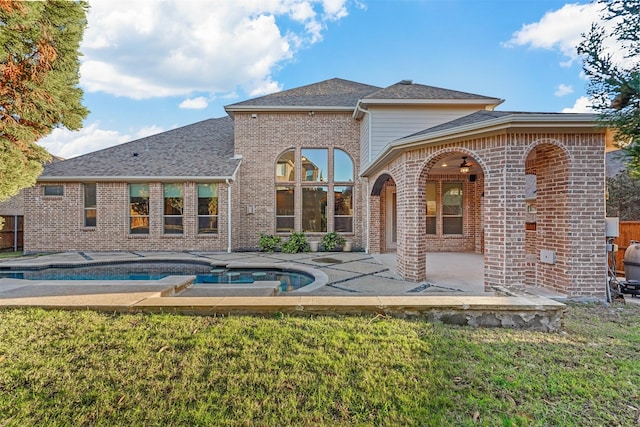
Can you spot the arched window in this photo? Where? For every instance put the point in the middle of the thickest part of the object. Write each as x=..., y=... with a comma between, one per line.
x=285, y=168
x=319, y=181
x=342, y=166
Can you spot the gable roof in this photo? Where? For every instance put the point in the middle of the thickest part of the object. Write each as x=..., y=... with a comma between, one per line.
x=406, y=89
x=205, y=153
x=483, y=119
x=406, y=93
x=336, y=94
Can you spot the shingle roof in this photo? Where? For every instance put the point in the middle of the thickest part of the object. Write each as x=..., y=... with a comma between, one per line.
x=406, y=89
x=479, y=117
x=328, y=93
x=203, y=149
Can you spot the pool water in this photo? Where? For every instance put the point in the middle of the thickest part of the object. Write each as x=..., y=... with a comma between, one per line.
x=289, y=280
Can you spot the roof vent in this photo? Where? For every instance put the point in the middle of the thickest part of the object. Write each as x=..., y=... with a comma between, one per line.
x=406, y=82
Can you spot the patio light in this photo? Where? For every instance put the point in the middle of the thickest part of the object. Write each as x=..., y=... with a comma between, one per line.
x=464, y=166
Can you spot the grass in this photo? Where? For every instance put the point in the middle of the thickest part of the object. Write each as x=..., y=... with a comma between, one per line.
x=10, y=254
x=88, y=368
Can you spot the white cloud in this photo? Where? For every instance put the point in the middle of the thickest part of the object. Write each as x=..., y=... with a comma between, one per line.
x=148, y=131
x=148, y=48
x=559, y=30
x=198, y=103
x=66, y=144
x=563, y=90
x=582, y=105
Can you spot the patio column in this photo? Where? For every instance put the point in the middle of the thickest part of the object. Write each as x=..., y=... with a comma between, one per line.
x=504, y=220
x=412, y=246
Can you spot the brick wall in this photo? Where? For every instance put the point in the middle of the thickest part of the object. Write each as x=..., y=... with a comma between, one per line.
x=56, y=223
x=261, y=140
x=570, y=210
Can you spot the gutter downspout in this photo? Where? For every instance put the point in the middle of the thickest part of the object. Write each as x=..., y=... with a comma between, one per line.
x=368, y=222
x=228, y=215
x=367, y=114
x=15, y=233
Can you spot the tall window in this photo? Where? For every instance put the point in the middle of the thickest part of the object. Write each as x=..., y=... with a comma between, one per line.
x=207, y=208
x=314, y=209
x=173, y=204
x=322, y=189
x=90, y=206
x=444, y=203
x=139, y=208
x=432, y=207
x=343, y=209
x=343, y=194
x=452, y=208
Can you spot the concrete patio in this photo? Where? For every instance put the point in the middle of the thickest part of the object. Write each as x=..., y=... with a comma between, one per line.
x=346, y=283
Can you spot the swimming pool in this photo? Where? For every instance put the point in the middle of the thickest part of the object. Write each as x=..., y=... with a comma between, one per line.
x=290, y=280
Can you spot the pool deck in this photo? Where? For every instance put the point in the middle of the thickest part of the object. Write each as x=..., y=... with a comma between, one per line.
x=346, y=283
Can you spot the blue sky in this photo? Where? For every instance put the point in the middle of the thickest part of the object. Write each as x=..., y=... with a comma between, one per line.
x=149, y=66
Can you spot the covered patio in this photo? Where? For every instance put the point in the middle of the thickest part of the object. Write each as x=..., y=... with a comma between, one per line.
x=464, y=188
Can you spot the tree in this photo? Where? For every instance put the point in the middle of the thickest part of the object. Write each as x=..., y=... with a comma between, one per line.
x=623, y=199
x=39, y=75
x=614, y=79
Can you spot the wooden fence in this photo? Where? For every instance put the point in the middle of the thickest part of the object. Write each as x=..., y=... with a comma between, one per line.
x=629, y=230
x=11, y=233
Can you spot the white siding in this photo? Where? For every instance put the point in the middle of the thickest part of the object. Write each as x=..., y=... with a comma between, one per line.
x=389, y=124
x=365, y=152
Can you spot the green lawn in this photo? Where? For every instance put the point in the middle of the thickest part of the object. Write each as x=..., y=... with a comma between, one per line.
x=87, y=368
x=10, y=255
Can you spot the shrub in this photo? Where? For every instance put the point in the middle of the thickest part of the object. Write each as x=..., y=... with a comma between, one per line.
x=296, y=243
x=268, y=242
x=331, y=240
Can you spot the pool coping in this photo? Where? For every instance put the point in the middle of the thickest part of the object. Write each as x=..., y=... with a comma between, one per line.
x=515, y=310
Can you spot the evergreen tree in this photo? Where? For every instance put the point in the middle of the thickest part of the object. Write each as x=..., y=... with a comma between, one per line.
x=623, y=198
x=614, y=82
x=39, y=74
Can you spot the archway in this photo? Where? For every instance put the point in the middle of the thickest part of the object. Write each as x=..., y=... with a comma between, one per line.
x=384, y=219
x=452, y=235
x=548, y=214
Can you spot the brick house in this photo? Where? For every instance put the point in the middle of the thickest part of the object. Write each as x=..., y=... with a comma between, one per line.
x=410, y=169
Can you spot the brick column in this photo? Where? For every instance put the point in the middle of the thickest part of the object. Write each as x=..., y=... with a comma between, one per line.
x=412, y=246
x=504, y=218
x=587, y=259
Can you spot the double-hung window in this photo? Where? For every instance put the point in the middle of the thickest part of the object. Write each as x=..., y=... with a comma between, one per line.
x=285, y=192
x=207, y=208
x=139, y=208
x=452, y=208
x=90, y=205
x=173, y=208
x=445, y=204
x=342, y=191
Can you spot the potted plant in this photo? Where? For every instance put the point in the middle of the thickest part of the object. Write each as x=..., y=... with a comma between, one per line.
x=314, y=245
x=297, y=243
x=268, y=242
x=331, y=240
